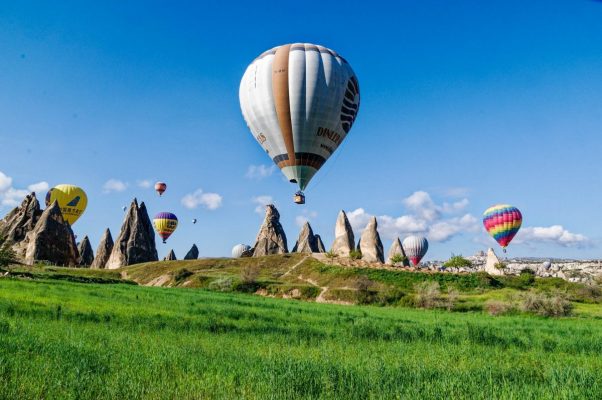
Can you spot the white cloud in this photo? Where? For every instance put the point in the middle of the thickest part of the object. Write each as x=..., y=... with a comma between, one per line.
x=210, y=201
x=144, y=183
x=10, y=196
x=260, y=171
x=40, y=187
x=456, y=192
x=555, y=234
x=261, y=202
x=114, y=185
x=425, y=217
x=306, y=216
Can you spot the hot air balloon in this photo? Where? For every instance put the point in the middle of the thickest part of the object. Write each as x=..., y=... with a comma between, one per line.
x=160, y=187
x=299, y=101
x=239, y=249
x=194, y=220
x=547, y=265
x=502, y=222
x=165, y=224
x=415, y=248
x=71, y=199
x=124, y=208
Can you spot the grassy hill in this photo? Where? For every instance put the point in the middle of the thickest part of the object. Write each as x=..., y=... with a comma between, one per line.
x=72, y=340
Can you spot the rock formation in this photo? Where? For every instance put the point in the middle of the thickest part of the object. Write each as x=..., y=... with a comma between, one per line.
x=103, y=251
x=86, y=254
x=321, y=247
x=171, y=256
x=52, y=240
x=370, y=243
x=20, y=221
x=136, y=241
x=492, y=260
x=397, y=249
x=344, y=241
x=307, y=242
x=271, y=238
x=193, y=253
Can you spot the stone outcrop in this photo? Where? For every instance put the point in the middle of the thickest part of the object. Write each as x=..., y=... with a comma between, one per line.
x=397, y=249
x=103, y=251
x=370, y=244
x=136, y=241
x=344, y=241
x=271, y=238
x=86, y=254
x=15, y=226
x=491, y=262
x=307, y=242
x=171, y=256
x=52, y=240
x=320, y=244
x=193, y=253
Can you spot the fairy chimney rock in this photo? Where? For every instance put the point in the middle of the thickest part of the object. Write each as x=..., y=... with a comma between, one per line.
x=193, y=253
x=271, y=238
x=306, y=243
x=370, y=244
x=396, y=249
x=86, y=254
x=344, y=241
x=171, y=256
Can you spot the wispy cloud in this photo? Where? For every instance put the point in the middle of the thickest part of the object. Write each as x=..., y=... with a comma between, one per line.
x=210, y=201
x=259, y=172
x=261, y=202
x=11, y=196
x=306, y=216
x=114, y=185
x=144, y=183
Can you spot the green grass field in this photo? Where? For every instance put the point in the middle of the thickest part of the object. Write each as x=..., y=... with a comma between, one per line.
x=70, y=340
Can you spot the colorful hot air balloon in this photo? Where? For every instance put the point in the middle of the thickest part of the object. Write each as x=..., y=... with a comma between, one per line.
x=165, y=224
x=299, y=101
x=502, y=222
x=194, y=220
x=239, y=249
x=71, y=199
x=160, y=187
x=415, y=248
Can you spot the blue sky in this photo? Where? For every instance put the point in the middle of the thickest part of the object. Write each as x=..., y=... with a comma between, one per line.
x=464, y=104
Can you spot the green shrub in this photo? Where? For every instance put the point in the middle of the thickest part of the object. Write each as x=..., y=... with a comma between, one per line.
x=500, y=265
x=225, y=284
x=427, y=294
x=330, y=254
x=398, y=259
x=497, y=307
x=451, y=298
x=457, y=261
x=7, y=255
x=355, y=254
x=182, y=274
x=546, y=304
x=364, y=293
x=249, y=273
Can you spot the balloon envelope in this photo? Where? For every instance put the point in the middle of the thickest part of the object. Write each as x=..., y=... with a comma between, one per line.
x=194, y=220
x=502, y=222
x=415, y=248
x=165, y=224
x=299, y=101
x=547, y=264
x=239, y=249
x=160, y=187
x=71, y=199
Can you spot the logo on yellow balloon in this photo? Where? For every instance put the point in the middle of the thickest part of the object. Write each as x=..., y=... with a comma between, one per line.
x=71, y=199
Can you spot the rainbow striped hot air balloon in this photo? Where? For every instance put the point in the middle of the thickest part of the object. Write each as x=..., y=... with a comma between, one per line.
x=165, y=224
x=502, y=222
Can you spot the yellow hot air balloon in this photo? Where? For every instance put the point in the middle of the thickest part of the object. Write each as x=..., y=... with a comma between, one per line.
x=72, y=201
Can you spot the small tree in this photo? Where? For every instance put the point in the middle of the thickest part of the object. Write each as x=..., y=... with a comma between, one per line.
x=398, y=259
x=427, y=294
x=355, y=254
x=7, y=255
x=249, y=274
x=500, y=265
x=363, y=285
x=457, y=261
x=452, y=298
x=331, y=254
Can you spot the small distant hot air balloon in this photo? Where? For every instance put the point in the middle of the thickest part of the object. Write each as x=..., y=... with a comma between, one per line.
x=160, y=187
x=194, y=220
x=547, y=265
x=299, y=101
x=124, y=208
x=239, y=249
x=415, y=248
x=71, y=199
x=165, y=224
x=502, y=222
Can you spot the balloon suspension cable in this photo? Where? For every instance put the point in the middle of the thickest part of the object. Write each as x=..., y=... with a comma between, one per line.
x=504, y=249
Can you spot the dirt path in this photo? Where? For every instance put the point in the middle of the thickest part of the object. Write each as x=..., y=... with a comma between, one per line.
x=322, y=296
x=294, y=266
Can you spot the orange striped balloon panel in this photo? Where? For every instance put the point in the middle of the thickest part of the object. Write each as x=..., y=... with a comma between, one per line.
x=165, y=224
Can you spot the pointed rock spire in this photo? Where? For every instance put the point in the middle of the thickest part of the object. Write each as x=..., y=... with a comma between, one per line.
x=344, y=241
x=370, y=244
x=171, y=256
x=86, y=254
x=492, y=261
x=271, y=238
x=396, y=249
x=103, y=251
x=20, y=221
x=136, y=241
x=306, y=243
x=193, y=253
x=320, y=244
x=52, y=240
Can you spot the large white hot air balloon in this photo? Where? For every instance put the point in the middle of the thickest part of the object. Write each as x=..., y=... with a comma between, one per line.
x=239, y=249
x=415, y=248
x=299, y=101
